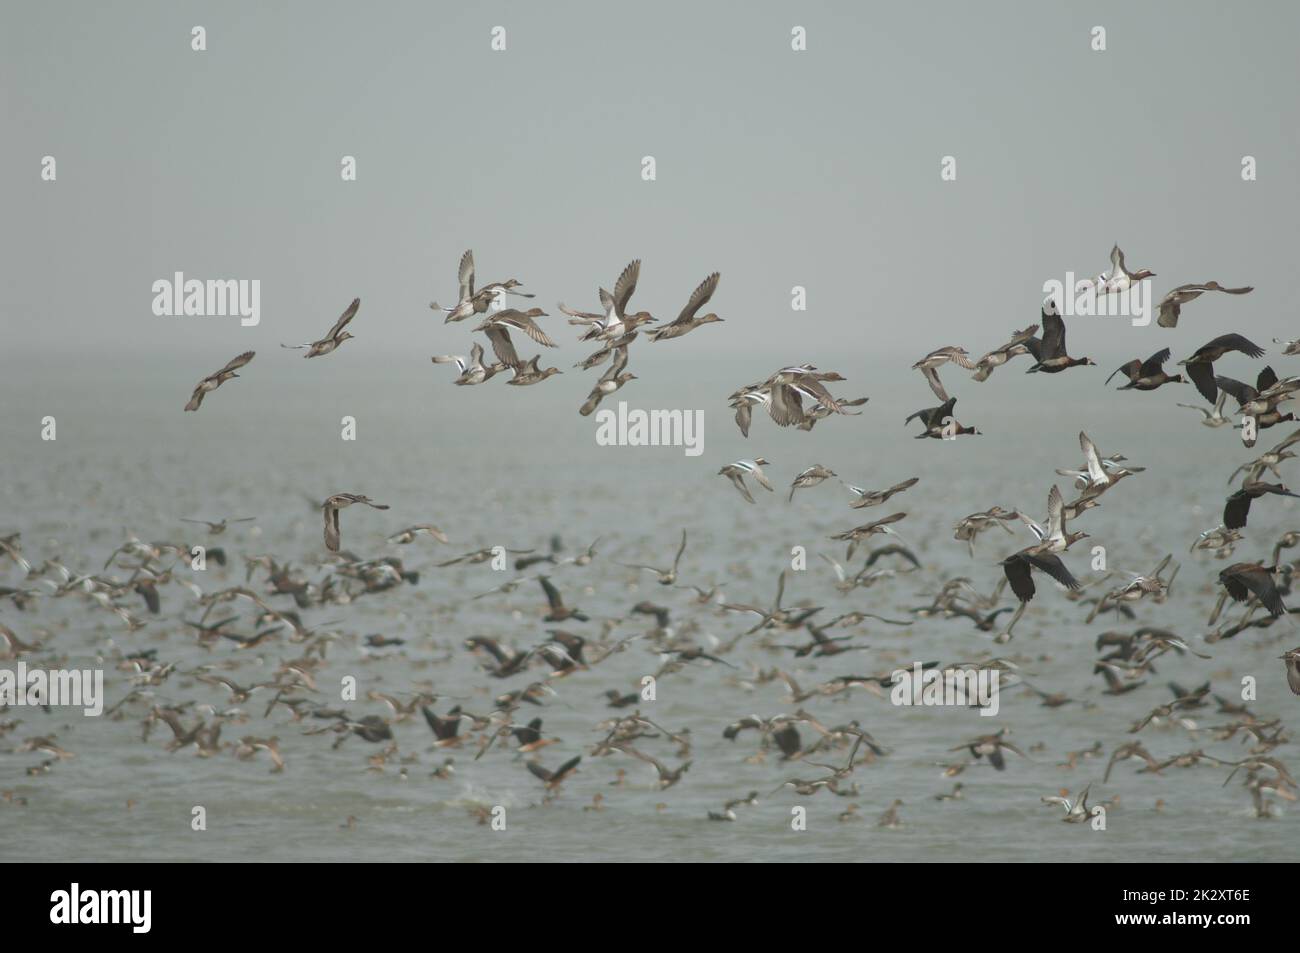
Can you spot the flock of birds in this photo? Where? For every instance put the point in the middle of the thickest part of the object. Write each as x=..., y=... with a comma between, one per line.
x=267, y=612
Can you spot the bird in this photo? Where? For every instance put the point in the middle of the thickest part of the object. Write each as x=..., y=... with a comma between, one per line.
x=219, y=527
x=216, y=379
x=1200, y=366
x=994, y=359
x=867, y=498
x=1049, y=350
x=1018, y=566
x=1269, y=460
x=930, y=364
x=610, y=381
x=616, y=321
x=1148, y=374
x=1267, y=393
x=939, y=422
x=1171, y=305
x=1076, y=812
x=736, y=472
x=1053, y=538
x=472, y=370
x=810, y=477
x=553, y=779
x=336, y=336
x=411, y=533
x=1246, y=581
x=530, y=373
x=472, y=302
x=667, y=777
x=497, y=328
x=990, y=746
x=1292, y=659
x=666, y=576
x=687, y=320
x=559, y=612
x=1213, y=418
x=859, y=533
x=331, y=508
x=1118, y=278
x=1237, y=507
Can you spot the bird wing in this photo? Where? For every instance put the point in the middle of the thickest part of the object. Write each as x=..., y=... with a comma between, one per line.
x=625, y=285
x=1132, y=370
x=1237, y=342
x=1053, y=344
x=502, y=346
x=1051, y=564
x=525, y=323
x=1152, y=364
x=237, y=362
x=932, y=377
x=552, y=594
x=739, y=483
x=1202, y=376
x=1241, y=391
x=698, y=298
x=331, y=529
x=466, y=275
x=344, y=318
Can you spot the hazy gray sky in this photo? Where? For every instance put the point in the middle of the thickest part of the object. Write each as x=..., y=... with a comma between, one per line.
x=817, y=168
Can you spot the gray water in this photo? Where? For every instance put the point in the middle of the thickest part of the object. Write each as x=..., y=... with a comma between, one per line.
x=481, y=465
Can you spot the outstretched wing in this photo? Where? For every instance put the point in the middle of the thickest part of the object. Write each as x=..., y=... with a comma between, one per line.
x=344, y=318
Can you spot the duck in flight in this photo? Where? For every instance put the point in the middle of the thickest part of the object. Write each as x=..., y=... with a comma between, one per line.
x=687, y=320
x=616, y=322
x=1171, y=305
x=1292, y=659
x=472, y=370
x=331, y=508
x=1049, y=350
x=1149, y=374
x=667, y=577
x=1245, y=582
x=336, y=336
x=477, y=302
x=930, y=364
x=1053, y=538
x=497, y=328
x=867, y=498
x=531, y=373
x=1237, y=508
x=1118, y=278
x=610, y=381
x=994, y=359
x=1215, y=417
x=216, y=379
x=736, y=472
x=1268, y=460
x=939, y=422
x=219, y=527
x=410, y=534
x=812, y=476
x=553, y=779
x=1200, y=366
